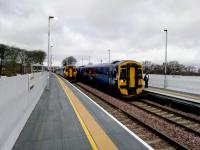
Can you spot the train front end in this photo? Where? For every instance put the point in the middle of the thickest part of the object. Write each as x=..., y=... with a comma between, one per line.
x=70, y=73
x=130, y=78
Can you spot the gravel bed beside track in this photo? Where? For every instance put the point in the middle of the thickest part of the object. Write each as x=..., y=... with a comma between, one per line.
x=186, y=122
x=186, y=114
x=176, y=133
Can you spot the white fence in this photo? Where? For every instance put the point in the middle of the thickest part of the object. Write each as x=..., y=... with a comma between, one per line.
x=189, y=84
x=18, y=97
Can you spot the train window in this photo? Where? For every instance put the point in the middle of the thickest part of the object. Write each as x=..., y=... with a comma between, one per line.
x=106, y=71
x=123, y=73
x=97, y=70
x=114, y=73
x=139, y=73
x=123, y=66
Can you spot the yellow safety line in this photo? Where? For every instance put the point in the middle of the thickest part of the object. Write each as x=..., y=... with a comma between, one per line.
x=91, y=140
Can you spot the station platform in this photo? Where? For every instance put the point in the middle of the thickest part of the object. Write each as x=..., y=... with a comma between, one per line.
x=65, y=118
x=176, y=94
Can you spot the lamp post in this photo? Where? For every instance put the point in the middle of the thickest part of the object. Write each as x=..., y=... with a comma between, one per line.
x=50, y=17
x=24, y=57
x=109, y=55
x=51, y=57
x=165, y=80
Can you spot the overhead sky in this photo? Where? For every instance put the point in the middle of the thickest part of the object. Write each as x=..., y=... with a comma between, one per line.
x=131, y=29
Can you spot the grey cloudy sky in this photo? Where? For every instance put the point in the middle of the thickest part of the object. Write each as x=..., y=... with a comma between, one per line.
x=130, y=28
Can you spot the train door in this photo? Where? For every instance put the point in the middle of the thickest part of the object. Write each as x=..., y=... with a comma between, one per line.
x=122, y=79
x=131, y=77
x=70, y=72
x=66, y=74
x=123, y=76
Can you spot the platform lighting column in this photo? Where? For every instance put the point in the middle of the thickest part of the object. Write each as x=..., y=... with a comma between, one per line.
x=109, y=55
x=24, y=55
x=165, y=80
x=51, y=57
x=50, y=17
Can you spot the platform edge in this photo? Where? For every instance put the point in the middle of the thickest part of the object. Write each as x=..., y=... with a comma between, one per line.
x=117, y=121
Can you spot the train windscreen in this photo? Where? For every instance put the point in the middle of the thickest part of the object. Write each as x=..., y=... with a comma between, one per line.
x=123, y=73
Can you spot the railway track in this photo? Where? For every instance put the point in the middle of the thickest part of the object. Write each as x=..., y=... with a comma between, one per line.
x=190, y=124
x=157, y=136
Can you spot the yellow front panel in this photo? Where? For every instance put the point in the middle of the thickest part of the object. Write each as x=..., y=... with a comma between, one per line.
x=74, y=74
x=132, y=77
x=130, y=80
x=139, y=91
x=124, y=91
x=70, y=72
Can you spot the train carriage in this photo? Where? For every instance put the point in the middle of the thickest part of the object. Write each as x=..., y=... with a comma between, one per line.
x=68, y=72
x=123, y=76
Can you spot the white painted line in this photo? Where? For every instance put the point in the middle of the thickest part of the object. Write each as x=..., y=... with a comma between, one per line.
x=123, y=126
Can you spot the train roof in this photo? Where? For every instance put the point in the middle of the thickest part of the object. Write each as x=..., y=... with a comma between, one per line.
x=114, y=63
x=70, y=66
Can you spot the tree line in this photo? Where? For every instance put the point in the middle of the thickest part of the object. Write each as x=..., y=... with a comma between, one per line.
x=173, y=68
x=69, y=61
x=14, y=60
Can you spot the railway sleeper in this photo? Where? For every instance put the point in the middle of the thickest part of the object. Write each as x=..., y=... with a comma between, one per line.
x=153, y=109
x=175, y=118
x=194, y=126
x=162, y=113
x=198, y=130
x=147, y=107
x=168, y=115
x=140, y=104
x=157, y=111
x=153, y=141
x=183, y=122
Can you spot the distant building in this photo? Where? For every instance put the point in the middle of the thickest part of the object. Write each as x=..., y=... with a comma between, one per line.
x=37, y=68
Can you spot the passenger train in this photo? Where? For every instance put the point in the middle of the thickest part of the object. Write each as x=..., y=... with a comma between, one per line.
x=126, y=76
x=68, y=72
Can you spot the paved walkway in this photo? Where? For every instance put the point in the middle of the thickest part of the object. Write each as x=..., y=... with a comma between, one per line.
x=53, y=124
x=65, y=118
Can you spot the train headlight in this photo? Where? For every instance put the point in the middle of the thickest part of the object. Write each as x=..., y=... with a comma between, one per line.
x=123, y=81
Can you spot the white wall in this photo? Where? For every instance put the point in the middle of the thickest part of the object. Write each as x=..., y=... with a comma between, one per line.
x=18, y=97
x=189, y=84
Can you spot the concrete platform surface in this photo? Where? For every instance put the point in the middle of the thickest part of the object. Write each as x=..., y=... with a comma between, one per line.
x=177, y=94
x=65, y=118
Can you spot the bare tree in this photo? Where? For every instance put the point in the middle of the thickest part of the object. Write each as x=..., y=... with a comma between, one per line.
x=69, y=61
x=2, y=52
x=13, y=59
x=147, y=66
x=173, y=67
